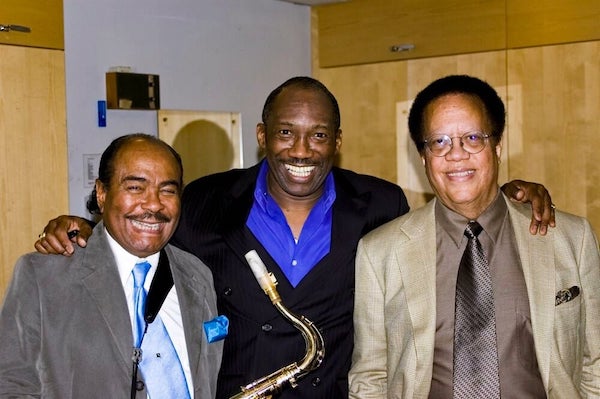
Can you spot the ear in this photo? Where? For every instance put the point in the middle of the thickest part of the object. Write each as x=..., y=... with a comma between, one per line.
x=100, y=195
x=499, y=149
x=261, y=135
x=338, y=141
x=422, y=158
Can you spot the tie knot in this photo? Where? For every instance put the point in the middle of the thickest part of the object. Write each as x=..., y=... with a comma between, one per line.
x=473, y=229
x=140, y=270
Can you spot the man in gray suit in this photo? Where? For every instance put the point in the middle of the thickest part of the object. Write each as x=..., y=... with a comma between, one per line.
x=66, y=322
x=518, y=318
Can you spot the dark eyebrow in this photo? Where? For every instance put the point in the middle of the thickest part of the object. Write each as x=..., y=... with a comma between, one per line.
x=133, y=178
x=144, y=180
x=316, y=126
x=171, y=183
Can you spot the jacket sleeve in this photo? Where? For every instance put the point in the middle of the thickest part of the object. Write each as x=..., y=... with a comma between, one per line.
x=589, y=260
x=20, y=327
x=368, y=375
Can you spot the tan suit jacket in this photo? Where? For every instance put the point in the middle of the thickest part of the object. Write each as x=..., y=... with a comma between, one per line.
x=395, y=305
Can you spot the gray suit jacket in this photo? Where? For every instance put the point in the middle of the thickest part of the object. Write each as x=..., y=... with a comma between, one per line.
x=65, y=331
x=395, y=305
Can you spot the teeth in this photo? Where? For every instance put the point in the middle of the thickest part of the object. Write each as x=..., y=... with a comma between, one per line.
x=299, y=171
x=146, y=226
x=461, y=173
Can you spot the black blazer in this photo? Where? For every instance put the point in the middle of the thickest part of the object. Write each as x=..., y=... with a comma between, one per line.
x=260, y=340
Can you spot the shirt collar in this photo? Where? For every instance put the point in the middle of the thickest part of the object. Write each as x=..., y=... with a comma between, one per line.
x=490, y=220
x=126, y=261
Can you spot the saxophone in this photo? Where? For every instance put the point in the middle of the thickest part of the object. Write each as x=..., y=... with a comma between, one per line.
x=264, y=387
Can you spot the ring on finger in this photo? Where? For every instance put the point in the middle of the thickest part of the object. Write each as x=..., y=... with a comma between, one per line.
x=42, y=235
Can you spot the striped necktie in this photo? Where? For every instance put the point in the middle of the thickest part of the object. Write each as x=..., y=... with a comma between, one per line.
x=475, y=348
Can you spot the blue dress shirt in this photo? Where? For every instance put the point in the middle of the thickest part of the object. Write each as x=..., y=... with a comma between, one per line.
x=268, y=224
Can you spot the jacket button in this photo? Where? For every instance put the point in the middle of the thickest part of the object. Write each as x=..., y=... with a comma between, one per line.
x=316, y=382
x=139, y=385
x=227, y=291
x=266, y=327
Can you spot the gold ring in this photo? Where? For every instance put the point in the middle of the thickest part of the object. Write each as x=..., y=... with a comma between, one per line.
x=42, y=235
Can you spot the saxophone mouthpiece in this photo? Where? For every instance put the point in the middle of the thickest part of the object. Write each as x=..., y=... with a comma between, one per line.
x=265, y=279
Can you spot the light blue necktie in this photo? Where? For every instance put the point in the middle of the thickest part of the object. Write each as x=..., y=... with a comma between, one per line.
x=160, y=365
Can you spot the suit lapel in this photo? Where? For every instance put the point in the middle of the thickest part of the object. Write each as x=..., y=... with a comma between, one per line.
x=191, y=293
x=417, y=263
x=100, y=277
x=537, y=260
x=159, y=288
x=239, y=202
x=348, y=219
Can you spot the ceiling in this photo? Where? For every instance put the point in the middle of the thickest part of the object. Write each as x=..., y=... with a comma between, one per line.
x=314, y=2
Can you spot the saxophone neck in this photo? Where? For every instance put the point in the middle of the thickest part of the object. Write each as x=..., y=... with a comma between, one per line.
x=315, y=348
x=315, y=345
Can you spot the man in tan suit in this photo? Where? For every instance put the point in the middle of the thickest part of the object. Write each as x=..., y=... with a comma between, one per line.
x=540, y=336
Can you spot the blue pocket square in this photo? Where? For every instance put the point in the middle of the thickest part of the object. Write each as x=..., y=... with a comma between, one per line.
x=217, y=328
x=565, y=295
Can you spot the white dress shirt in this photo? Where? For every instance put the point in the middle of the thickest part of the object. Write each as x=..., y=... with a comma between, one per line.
x=169, y=311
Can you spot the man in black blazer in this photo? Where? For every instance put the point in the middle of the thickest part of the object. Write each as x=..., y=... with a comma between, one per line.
x=268, y=208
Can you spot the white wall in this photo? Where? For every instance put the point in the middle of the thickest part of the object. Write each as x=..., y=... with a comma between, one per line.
x=214, y=55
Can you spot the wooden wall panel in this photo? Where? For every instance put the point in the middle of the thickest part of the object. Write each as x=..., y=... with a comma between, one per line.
x=363, y=31
x=33, y=149
x=552, y=95
x=554, y=123
x=43, y=17
x=543, y=22
x=369, y=95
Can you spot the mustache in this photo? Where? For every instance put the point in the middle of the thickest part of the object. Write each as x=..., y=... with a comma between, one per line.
x=151, y=216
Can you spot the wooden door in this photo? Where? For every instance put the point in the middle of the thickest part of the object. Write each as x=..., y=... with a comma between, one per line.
x=33, y=149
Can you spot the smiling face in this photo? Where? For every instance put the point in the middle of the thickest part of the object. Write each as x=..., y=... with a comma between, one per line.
x=141, y=205
x=300, y=142
x=465, y=183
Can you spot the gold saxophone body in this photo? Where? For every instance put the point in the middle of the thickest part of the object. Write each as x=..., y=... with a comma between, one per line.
x=266, y=386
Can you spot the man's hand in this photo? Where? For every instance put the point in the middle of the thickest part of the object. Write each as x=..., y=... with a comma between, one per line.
x=541, y=203
x=55, y=238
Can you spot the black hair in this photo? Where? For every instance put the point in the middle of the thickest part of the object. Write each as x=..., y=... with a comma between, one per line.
x=456, y=84
x=106, y=170
x=303, y=82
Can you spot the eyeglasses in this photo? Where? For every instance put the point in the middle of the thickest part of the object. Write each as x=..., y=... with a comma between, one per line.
x=471, y=142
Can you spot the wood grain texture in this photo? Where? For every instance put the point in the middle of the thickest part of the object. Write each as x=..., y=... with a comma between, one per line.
x=544, y=22
x=362, y=31
x=33, y=149
x=552, y=94
x=43, y=17
x=554, y=123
